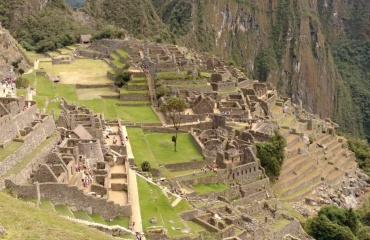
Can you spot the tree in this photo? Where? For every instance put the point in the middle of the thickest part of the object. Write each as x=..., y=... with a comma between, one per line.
x=271, y=155
x=174, y=107
x=145, y=166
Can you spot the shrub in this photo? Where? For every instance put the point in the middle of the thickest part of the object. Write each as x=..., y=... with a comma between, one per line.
x=22, y=82
x=145, y=166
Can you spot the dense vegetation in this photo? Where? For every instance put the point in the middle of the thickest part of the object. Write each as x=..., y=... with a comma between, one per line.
x=271, y=155
x=362, y=150
x=353, y=60
x=333, y=223
x=43, y=31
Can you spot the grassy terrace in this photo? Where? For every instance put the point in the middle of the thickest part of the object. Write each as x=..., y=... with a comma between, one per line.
x=157, y=148
x=162, y=147
x=28, y=158
x=211, y=187
x=229, y=90
x=24, y=221
x=11, y=148
x=122, y=53
x=116, y=60
x=125, y=91
x=139, y=79
x=154, y=203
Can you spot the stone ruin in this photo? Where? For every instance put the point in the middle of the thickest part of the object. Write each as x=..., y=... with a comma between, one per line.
x=88, y=165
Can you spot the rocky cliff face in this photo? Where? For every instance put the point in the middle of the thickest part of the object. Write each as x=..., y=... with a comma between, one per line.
x=286, y=42
x=10, y=53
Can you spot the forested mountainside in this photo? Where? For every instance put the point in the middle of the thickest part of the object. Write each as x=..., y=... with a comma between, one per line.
x=317, y=52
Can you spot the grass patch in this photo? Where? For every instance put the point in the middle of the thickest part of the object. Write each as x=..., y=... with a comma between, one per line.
x=11, y=148
x=63, y=210
x=47, y=205
x=116, y=60
x=81, y=71
x=82, y=215
x=97, y=218
x=162, y=147
x=122, y=53
x=120, y=221
x=229, y=90
x=139, y=114
x=125, y=91
x=138, y=79
x=28, y=158
x=33, y=55
x=161, y=209
x=24, y=221
x=211, y=187
x=140, y=147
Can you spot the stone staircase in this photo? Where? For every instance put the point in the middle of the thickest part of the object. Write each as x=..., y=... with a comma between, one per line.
x=307, y=165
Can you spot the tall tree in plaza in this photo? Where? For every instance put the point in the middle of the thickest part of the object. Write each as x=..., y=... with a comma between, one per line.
x=174, y=107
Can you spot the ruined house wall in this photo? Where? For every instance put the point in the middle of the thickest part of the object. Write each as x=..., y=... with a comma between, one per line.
x=31, y=141
x=62, y=194
x=25, y=174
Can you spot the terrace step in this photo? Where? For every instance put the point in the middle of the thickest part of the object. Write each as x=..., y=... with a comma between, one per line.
x=311, y=178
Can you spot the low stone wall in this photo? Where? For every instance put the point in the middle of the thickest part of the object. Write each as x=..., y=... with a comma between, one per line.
x=161, y=129
x=206, y=88
x=134, y=97
x=185, y=166
x=222, y=86
x=250, y=198
x=137, y=87
x=62, y=194
x=91, y=54
x=111, y=75
x=92, y=86
x=189, y=215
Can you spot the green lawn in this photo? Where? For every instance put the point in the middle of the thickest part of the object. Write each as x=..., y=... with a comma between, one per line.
x=63, y=210
x=163, y=149
x=125, y=91
x=47, y=205
x=211, y=187
x=11, y=148
x=120, y=221
x=138, y=78
x=32, y=55
x=229, y=90
x=140, y=147
x=24, y=221
x=116, y=60
x=82, y=215
x=122, y=53
x=138, y=114
x=153, y=203
x=97, y=218
x=80, y=71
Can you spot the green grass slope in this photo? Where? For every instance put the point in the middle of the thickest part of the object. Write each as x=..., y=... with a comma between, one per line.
x=24, y=221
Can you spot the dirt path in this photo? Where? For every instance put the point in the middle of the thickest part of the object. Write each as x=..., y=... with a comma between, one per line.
x=134, y=200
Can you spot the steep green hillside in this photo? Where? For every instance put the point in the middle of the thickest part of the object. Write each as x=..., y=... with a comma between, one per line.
x=42, y=27
x=296, y=44
x=24, y=221
x=139, y=18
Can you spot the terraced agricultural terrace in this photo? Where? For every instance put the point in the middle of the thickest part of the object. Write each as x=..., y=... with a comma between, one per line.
x=89, y=140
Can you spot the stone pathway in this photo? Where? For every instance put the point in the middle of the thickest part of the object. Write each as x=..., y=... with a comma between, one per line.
x=174, y=204
x=134, y=200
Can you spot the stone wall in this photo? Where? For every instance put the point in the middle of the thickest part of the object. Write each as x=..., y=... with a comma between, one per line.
x=250, y=198
x=185, y=166
x=201, y=88
x=131, y=87
x=9, y=125
x=189, y=215
x=40, y=132
x=222, y=86
x=91, y=54
x=25, y=174
x=62, y=194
